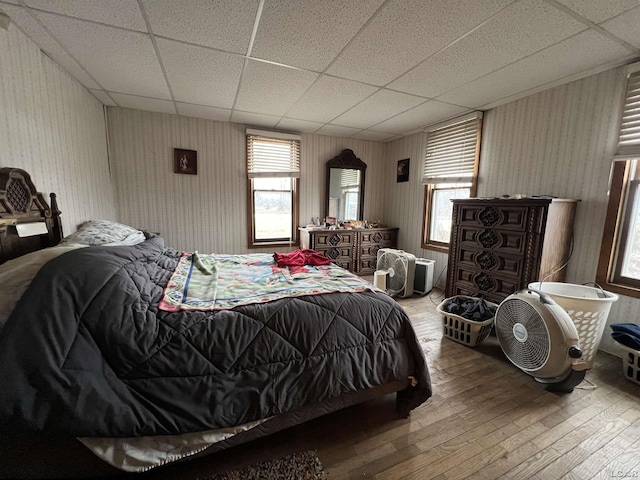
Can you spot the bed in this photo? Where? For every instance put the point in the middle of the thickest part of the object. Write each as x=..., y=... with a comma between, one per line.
x=90, y=355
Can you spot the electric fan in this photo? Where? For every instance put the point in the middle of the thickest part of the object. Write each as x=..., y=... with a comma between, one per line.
x=398, y=266
x=539, y=337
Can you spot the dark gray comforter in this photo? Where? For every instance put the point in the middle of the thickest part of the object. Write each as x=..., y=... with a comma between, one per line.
x=87, y=352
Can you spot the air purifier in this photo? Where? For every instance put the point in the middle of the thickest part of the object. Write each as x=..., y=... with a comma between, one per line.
x=423, y=276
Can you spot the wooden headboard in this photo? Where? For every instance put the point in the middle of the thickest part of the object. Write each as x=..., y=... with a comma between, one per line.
x=21, y=203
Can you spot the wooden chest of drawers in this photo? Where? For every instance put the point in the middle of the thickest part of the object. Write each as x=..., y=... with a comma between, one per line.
x=499, y=246
x=356, y=250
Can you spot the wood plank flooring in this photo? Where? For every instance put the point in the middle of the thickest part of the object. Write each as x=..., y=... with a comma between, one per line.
x=486, y=420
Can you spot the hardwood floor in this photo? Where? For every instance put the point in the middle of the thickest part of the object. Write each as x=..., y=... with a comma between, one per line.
x=486, y=420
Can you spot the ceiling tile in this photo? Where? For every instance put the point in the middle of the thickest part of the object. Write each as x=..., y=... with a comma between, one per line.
x=517, y=31
x=47, y=44
x=271, y=89
x=626, y=27
x=103, y=97
x=255, y=119
x=378, y=107
x=144, y=103
x=405, y=32
x=426, y=114
x=373, y=136
x=321, y=29
x=201, y=75
x=580, y=53
x=120, y=60
x=121, y=13
x=338, y=131
x=211, y=113
x=223, y=25
x=298, y=125
x=599, y=10
x=329, y=97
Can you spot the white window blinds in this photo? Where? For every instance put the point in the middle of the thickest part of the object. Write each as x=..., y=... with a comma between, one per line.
x=451, y=150
x=349, y=178
x=629, y=138
x=272, y=154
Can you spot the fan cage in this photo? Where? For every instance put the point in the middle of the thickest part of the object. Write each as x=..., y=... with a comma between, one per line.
x=461, y=330
x=399, y=265
x=532, y=354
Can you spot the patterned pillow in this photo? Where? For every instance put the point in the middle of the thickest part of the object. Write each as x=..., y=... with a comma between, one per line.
x=105, y=232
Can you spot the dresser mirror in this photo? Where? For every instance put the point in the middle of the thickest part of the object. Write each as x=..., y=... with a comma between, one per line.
x=345, y=187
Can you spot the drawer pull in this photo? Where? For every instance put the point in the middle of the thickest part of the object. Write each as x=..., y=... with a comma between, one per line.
x=489, y=216
x=334, y=239
x=489, y=238
x=487, y=260
x=485, y=282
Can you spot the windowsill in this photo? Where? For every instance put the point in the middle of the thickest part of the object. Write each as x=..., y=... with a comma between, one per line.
x=436, y=248
x=619, y=289
x=274, y=244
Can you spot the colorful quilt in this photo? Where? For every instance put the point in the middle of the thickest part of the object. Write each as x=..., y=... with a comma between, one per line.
x=222, y=282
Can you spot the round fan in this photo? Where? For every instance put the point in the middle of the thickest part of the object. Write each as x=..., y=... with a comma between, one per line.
x=540, y=338
x=399, y=267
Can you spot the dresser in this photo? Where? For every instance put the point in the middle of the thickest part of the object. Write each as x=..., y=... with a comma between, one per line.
x=355, y=249
x=499, y=246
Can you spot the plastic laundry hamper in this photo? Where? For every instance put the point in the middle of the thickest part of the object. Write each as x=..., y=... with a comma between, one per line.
x=588, y=307
x=630, y=362
x=461, y=330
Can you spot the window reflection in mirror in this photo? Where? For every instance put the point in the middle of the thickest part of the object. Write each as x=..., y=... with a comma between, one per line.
x=345, y=187
x=344, y=193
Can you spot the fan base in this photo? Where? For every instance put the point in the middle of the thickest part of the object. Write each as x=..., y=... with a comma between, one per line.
x=566, y=384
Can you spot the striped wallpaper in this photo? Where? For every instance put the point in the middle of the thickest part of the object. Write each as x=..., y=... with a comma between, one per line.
x=52, y=127
x=207, y=211
x=557, y=142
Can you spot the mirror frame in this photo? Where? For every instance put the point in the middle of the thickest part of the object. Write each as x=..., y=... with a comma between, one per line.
x=346, y=160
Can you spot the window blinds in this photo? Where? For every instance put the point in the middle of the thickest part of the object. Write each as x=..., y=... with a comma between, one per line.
x=272, y=154
x=629, y=137
x=349, y=178
x=451, y=150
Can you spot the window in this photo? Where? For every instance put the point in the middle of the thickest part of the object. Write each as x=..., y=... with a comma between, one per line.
x=350, y=191
x=619, y=263
x=450, y=171
x=273, y=171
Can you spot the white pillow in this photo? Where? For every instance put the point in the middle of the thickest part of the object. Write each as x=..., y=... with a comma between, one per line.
x=105, y=232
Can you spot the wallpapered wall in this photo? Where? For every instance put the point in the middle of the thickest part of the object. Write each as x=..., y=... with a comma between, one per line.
x=557, y=142
x=208, y=211
x=54, y=128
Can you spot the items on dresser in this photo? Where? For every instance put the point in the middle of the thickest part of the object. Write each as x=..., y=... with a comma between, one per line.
x=499, y=246
x=354, y=249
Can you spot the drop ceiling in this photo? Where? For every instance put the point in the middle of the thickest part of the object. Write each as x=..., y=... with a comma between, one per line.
x=367, y=69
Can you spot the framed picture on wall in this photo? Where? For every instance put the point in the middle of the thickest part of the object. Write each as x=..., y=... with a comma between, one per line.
x=185, y=161
x=403, y=170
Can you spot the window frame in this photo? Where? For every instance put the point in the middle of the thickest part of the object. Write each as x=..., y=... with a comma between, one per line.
x=615, y=234
x=429, y=192
x=293, y=240
x=431, y=187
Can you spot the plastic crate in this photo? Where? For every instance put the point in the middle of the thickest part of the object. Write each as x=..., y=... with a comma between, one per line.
x=461, y=330
x=630, y=363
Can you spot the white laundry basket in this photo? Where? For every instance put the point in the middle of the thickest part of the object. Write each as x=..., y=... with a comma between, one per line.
x=588, y=307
